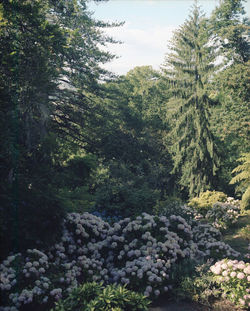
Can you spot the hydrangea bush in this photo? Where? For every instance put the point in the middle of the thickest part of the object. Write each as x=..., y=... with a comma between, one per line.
x=223, y=215
x=216, y=208
x=208, y=241
x=38, y=279
x=137, y=252
x=141, y=252
x=233, y=277
x=205, y=235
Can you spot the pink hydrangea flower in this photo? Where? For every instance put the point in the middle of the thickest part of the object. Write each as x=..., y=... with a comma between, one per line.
x=240, y=275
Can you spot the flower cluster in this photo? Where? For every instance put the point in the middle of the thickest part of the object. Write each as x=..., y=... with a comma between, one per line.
x=233, y=276
x=36, y=277
x=8, y=272
x=139, y=253
x=208, y=240
x=77, y=256
x=223, y=215
x=17, y=271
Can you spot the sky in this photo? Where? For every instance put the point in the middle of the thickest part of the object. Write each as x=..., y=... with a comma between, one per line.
x=149, y=25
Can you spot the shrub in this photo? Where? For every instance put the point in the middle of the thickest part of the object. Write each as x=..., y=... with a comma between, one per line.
x=24, y=281
x=200, y=286
x=206, y=200
x=233, y=277
x=96, y=297
x=176, y=207
x=216, y=208
x=209, y=244
x=140, y=253
x=169, y=206
x=35, y=280
x=223, y=215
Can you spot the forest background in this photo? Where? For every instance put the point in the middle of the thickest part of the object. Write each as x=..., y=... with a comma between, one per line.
x=76, y=137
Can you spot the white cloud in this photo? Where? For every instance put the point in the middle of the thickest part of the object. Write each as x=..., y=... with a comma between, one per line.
x=145, y=46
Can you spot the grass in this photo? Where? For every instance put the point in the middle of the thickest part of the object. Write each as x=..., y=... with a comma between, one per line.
x=238, y=236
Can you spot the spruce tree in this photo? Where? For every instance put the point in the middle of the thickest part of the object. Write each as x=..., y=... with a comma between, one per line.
x=189, y=69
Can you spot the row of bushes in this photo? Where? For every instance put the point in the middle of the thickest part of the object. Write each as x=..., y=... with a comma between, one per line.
x=141, y=253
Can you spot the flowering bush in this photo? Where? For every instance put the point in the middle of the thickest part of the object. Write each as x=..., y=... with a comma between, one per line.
x=207, y=239
x=37, y=279
x=139, y=253
x=205, y=235
x=233, y=277
x=216, y=208
x=205, y=201
x=223, y=215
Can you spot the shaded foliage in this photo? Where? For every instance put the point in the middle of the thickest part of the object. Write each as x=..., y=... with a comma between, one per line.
x=48, y=70
x=75, y=137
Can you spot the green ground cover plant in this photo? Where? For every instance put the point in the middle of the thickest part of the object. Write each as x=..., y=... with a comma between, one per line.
x=96, y=297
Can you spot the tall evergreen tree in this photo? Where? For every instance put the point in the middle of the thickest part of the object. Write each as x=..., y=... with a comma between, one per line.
x=188, y=69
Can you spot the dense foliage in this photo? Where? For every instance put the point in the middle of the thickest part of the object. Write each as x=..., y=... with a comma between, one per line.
x=142, y=253
x=243, y=179
x=95, y=297
x=131, y=149
x=215, y=208
x=189, y=69
x=206, y=200
x=49, y=74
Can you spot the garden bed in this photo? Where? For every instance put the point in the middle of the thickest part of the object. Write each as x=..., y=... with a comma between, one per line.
x=158, y=256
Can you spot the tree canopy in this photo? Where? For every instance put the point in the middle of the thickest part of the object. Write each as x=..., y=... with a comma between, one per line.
x=75, y=137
